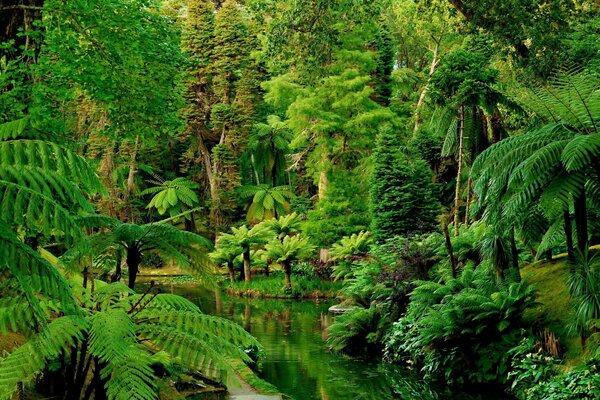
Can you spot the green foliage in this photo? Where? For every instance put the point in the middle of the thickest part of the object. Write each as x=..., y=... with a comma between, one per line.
x=267, y=202
x=351, y=246
x=460, y=331
x=272, y=286
x=584, y=288
x=343, y=212
x=581, y=383
x=355, y=331
x=403, y=199
x=286, y=225
x=28, y=361
x=546, y=169
x=174, y=196
x=529, y=366
x=290, y=248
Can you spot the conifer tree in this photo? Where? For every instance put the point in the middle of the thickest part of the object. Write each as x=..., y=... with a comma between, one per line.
x=403, y=198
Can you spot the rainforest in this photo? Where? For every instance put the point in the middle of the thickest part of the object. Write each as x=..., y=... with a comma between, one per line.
x=299, y=199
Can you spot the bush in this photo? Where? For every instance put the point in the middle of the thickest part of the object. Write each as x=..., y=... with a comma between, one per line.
x=462, y=330
x=356, y=331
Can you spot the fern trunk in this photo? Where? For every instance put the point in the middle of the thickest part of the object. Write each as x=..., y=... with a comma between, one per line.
x=569, y=235
x=247, y=271
x=287, y=269
x=231, y=272
x=581, y=222
x=134, y=258
x=461, y=130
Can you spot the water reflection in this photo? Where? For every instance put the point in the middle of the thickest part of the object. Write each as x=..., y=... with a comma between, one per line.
x=297, y=361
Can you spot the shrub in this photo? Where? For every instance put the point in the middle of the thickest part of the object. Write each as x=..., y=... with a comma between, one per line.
x=461, y=330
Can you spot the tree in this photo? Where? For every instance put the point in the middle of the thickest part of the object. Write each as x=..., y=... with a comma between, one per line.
x=268, y=145
x=188, y=250
x=222, y=93
x=463, y=85
x=285, y=225
x=288, y=250
x=244, y=239
x=550, y=168
x=267, y=202
x=225, y=254
x=403, y=198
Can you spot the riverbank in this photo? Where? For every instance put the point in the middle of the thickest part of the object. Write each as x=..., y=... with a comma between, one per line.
x=273, y=287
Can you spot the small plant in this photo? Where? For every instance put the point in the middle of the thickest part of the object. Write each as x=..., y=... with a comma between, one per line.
x=530, y=366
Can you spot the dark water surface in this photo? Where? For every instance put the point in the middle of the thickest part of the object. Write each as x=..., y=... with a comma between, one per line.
x=297, y=361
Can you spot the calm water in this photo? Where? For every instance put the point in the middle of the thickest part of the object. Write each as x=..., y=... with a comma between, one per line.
x=297, y=361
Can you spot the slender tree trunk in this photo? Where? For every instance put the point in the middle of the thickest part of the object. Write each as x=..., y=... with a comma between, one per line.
x=131, y=178
x=449, y=248
x=267, y=265
x=231, y=272
x=569, y=235
x=247, y=271
x=468, y=204
x=134, y=258
x=254, y=169
x=287, y=269
x=420, y=102
x=215, y=213
x=461, y=128
x=581, y=222
x=323, y=180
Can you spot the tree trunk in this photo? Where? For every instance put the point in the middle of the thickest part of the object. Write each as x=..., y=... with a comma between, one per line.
x=134, y=258
x=215, y=214
x=323, y=180
x=468, y=203
x=569, y=235
x=247, y=271
x=287, y=269
x=497, y=126
x=581, y=222
x=434, y=63
x=461, y=127
x=131, y=177
x=449, y=249
x=117, y=275
x=231, y=272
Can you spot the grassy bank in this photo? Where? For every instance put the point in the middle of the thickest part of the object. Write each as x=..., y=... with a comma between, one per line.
x=273, y=286
x=555, y=310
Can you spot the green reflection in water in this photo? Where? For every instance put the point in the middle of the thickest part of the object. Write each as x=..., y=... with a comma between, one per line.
x=297, y=361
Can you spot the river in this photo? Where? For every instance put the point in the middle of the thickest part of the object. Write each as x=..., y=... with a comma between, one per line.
x=297, y=360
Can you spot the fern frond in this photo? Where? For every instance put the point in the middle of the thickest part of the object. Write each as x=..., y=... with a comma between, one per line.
x=26, y=362
x=42, y=277
x=52, y=158
x=14, y=129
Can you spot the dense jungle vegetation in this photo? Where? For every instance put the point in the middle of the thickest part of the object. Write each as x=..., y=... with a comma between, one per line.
x=433, y=165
